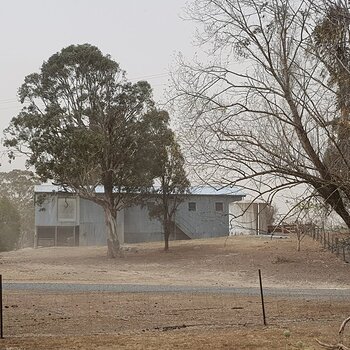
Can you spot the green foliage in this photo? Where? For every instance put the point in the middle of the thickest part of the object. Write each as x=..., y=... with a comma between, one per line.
x=169, y=169
x=18, y=186
x=85, y=125
x=173, y=177
x=174, y=184
x=9, y=225
x=331, y=38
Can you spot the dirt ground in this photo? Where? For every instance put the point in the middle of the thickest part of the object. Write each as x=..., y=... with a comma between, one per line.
x=59, y=320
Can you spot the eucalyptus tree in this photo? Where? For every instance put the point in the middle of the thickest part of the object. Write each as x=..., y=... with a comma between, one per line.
x=262, y=112
x=9, y=225
x=174, y=186
x=170, y=175
x=82, y=125
x=332, y=45
x=18, y=186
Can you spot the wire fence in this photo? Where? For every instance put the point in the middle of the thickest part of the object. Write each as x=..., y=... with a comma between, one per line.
x=69, y=313
x=337, y=243
x=58, y=313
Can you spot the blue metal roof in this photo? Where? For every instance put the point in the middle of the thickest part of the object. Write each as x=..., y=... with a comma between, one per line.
x=212, y=191
x=48, y=189
x=194, y=190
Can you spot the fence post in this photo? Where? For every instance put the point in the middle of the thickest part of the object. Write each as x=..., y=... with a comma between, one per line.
x=262, y=298
x=1, y=313
x=344, y=252
x=324, y=239
x=337, y=245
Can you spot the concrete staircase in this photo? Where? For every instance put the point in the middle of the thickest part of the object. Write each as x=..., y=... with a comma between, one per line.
x=182, y=229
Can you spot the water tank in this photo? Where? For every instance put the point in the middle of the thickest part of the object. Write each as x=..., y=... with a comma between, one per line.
x=248, y=218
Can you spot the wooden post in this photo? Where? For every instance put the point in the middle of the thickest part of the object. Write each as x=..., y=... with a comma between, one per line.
x=1, y=313
x=262, y=298
x=56, y=236
x=36, y=237
x=337, y=245
x=328, y=241
x=324, y=239
x=332, y=244
x=344, y=258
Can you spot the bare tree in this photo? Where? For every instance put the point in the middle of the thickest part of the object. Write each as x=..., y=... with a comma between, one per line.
x=262, y=112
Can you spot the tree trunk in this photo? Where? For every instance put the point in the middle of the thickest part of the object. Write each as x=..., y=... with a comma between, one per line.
x=332, y=196
x=167, y=231
x=113, y=244
x=298, y=245
x=166, y=241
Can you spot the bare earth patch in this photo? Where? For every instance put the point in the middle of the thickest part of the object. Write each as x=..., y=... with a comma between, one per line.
x=59, y=320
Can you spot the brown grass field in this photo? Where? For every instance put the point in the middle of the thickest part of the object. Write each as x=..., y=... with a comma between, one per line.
x=105, y=320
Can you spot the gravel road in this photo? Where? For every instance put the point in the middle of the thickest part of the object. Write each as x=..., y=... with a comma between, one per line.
x=143, y=288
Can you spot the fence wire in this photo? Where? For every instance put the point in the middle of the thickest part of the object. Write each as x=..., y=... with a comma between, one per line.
x=66, y=313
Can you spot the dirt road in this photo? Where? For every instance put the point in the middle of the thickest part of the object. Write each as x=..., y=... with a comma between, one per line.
x=311, y=293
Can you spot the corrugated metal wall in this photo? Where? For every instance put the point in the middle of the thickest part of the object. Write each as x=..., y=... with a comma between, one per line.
x=92, y=224
x=205, y=221
x=134, y=223
x=139, y=227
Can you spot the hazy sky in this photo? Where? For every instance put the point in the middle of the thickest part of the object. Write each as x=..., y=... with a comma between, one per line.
x=142, y=35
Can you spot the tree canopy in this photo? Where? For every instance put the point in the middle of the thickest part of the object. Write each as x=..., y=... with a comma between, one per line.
x=9, y=225
x=18, y=186
x=171, y=176
x=84, y=124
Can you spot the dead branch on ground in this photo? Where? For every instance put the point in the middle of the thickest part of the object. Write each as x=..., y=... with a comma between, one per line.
x=335, y=346
x=338, y=346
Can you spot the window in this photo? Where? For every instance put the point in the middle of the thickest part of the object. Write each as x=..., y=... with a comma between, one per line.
x=66, y=209
x=219, y=206
x=192, y=206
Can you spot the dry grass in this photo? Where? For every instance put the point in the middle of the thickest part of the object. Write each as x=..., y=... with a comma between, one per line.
x=170, y=320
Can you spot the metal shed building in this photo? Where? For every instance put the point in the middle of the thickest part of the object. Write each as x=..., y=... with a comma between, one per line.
x=63, y=218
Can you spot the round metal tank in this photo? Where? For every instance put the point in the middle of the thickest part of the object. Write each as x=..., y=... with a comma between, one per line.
x=248, y=218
